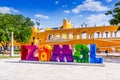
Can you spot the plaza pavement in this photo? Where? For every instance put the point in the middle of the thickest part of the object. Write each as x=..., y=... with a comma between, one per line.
x=11, y=69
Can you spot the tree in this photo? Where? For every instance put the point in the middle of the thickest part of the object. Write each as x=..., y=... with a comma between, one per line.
x=20, y=25
x=115, y=14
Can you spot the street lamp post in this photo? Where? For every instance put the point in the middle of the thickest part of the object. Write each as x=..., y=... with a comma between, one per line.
x=12, y=46
x=38, y=27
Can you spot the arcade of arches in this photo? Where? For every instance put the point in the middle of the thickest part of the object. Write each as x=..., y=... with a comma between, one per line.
x=84, y=35
x=105, y=37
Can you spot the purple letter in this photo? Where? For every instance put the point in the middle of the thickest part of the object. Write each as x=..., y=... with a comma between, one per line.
x=31, y=52
x=62, y=52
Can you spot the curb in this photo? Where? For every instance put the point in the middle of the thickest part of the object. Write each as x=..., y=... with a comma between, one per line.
x=63, y=63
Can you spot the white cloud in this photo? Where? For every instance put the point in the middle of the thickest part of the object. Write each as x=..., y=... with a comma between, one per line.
x=99, y=19
x=41, y=16
x=80, y=15
x=64, y=6
x=67, y=11
x=56, y=2
x=90, y=5
x=109, y=0
x=8, y=10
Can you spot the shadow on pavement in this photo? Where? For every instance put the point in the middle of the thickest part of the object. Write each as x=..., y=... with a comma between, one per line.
x=57, y=63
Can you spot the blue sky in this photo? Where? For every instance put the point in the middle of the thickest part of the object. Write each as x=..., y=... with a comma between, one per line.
x=52, y=12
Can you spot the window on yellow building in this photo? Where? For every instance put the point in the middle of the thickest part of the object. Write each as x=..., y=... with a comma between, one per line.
x=57, y=36
x=64, y=36
x=78, y=36
x=50, y=37
x=84, y=35
x=71, y=36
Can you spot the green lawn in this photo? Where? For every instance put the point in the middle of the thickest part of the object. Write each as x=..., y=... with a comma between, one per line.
x=4, y=57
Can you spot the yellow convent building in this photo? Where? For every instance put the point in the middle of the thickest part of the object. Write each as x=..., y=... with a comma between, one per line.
x=105, y=37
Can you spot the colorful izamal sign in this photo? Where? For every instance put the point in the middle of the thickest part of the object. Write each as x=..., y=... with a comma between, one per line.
x=60, y=53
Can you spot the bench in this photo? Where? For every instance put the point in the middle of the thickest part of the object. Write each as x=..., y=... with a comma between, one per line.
x=6, y=53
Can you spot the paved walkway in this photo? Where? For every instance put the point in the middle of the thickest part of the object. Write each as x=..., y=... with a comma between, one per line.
x=109, y=54
x=11, y=69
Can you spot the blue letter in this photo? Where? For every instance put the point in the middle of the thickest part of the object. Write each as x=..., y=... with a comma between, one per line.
x=93, y=58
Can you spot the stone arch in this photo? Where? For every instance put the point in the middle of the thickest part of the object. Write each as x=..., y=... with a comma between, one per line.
x=106, y=34
x=57, y=36
x=78, y=36
x=89, y=36
x=84, y=35
x=118, y=34
x=114, y=34
x=50, y=37
x=97, y=34
x=64, y=36
x=71, y=36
